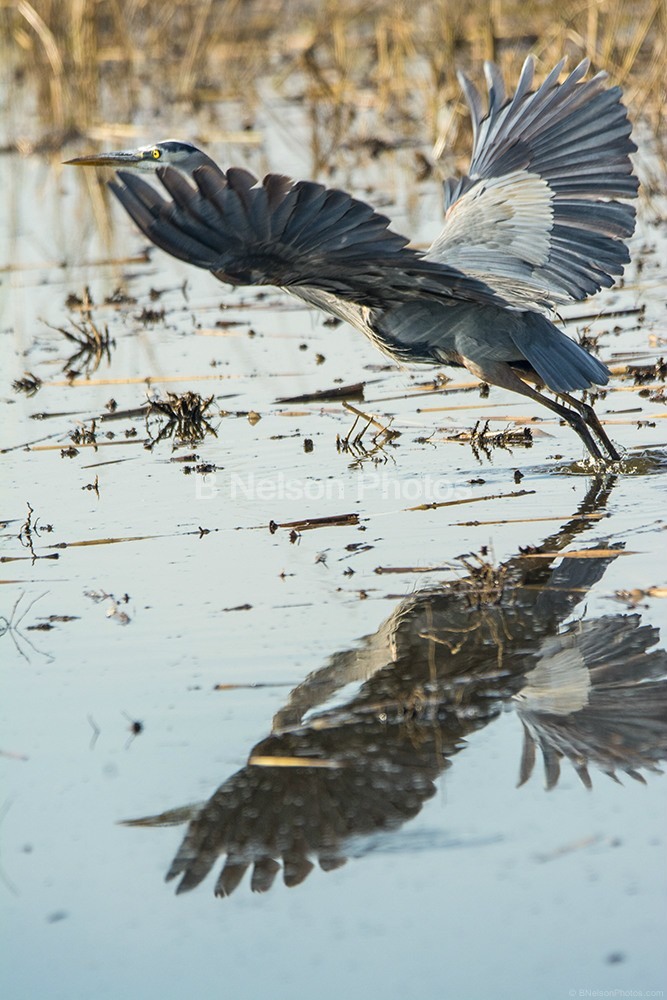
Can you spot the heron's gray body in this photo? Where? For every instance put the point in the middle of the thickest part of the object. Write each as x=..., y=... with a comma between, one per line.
x=536, y=222
x=434, y=333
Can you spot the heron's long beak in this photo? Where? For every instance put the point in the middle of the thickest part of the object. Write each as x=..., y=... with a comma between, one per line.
x=122, y=158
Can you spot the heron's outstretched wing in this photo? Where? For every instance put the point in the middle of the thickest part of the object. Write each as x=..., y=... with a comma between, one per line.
x=597, y=695
x=537, y=217
x=287, y=234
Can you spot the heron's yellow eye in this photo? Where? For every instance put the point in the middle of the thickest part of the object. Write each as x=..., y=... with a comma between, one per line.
x=156, y=154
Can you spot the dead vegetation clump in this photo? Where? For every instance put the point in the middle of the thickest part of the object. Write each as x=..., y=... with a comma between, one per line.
x=485, y=583
x=30, y=384
x=92, y=345
x=182, y=418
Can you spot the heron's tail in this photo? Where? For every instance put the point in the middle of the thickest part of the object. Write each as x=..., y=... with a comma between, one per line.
x=559, y=361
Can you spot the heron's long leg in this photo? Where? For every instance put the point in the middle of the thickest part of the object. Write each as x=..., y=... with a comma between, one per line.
x=499, y=373
x=591, y=418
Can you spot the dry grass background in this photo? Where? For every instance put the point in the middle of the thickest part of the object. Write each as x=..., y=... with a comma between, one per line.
x=92, y=64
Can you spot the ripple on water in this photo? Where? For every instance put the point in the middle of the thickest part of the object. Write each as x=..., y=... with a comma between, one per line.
x=644, y=462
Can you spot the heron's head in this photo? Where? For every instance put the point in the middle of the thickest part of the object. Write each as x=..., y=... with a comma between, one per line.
x=170, y=153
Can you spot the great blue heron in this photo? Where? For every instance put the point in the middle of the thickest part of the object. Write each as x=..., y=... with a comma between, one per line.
x=536, y=222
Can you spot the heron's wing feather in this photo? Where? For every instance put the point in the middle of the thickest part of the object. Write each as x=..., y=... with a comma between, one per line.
x=288, y=234
x=537, y=217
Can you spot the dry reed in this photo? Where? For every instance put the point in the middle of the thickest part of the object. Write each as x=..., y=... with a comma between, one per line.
x=364, y=69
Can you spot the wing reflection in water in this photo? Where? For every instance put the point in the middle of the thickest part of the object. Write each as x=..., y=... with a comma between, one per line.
x=596, y=695
x=443, y=665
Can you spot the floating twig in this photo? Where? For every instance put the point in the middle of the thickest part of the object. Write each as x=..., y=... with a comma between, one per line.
x=456, y=503
x=355, y=391
x=308, y=523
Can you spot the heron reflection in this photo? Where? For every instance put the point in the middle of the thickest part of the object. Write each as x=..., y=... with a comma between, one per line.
x=444, y=664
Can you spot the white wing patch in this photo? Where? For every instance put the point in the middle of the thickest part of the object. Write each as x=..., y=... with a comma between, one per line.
x=560, y=683
x=510, y=216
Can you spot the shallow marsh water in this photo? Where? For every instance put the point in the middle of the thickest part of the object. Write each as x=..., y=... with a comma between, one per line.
x=226, y=640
